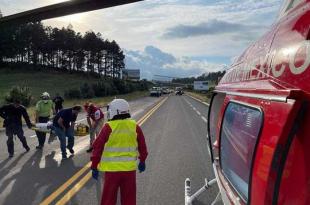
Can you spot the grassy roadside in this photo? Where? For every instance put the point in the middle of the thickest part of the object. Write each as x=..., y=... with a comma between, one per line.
x=98, y=101
x=200, y=96
x=41, y=81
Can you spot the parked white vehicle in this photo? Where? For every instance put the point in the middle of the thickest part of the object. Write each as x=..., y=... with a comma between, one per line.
x=155, y=91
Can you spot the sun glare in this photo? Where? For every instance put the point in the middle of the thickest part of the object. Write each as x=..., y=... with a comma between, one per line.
x=74, y=18
x=58, y=1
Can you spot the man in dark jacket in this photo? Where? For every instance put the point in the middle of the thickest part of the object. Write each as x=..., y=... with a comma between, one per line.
x=12, y=115
x=58, y=100
x=63, y=124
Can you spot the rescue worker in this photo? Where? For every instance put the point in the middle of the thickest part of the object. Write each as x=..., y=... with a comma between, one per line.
x=116, y=150
x=44, y=108
x=58, y=100
x=95, y=120
x=63, y=125
x=12, y=115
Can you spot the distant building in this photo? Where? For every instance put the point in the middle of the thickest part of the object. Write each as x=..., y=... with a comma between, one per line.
x=131, y=74
x=201, y=85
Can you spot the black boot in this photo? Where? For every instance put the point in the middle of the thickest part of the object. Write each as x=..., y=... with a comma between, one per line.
x=71, y=150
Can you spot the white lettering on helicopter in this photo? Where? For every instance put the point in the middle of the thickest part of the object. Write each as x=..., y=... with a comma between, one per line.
x=273, y=64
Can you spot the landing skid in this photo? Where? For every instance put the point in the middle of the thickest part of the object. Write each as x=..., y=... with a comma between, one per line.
x=190, y=198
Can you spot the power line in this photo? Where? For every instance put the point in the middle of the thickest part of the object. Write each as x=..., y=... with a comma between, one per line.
x=165, y=76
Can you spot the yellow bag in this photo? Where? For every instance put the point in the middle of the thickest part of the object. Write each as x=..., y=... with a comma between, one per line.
x=81, y=130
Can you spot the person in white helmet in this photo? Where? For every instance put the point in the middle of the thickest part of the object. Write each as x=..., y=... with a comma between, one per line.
x=44, y=108
x=116, y=152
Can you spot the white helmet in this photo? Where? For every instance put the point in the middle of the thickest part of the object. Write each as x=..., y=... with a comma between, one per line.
x=118, y=107
x=45, y=95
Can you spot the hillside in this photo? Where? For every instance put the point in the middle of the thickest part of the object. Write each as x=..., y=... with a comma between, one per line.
x=54, y=82
x=41, y=81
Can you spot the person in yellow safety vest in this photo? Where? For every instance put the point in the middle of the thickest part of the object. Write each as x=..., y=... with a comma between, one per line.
x=116, y=152
x=44, y=108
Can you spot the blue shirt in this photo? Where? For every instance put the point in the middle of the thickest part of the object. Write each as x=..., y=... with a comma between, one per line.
x=66, y=115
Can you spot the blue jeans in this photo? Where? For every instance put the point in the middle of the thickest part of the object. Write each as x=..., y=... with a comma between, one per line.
x=62, y=138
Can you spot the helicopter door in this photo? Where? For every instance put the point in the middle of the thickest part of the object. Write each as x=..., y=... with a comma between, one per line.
x=247, y=140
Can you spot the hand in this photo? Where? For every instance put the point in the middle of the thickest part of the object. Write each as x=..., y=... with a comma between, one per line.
x=31, y=125
x=95, y=174
x=141, y=167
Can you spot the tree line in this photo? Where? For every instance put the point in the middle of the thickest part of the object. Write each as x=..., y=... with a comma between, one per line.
x=44, y=46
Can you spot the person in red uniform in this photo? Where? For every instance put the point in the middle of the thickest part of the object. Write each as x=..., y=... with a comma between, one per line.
x=95, y=120
x=116, y=152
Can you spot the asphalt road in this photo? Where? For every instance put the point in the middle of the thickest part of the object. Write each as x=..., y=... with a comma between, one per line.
x=176, y=139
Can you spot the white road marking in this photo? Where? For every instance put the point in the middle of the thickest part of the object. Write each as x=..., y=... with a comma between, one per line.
x=79, y=146
x=209, y=152
x=204, y=119
x=190, y=104
x=198, y=113
x=198, y=100
x=194, y=109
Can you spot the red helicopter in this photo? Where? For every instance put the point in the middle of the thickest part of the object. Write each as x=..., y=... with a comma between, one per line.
x=259, y=117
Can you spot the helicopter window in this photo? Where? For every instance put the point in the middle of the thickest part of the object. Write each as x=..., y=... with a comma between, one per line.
x=240, y=130
x=215, y=109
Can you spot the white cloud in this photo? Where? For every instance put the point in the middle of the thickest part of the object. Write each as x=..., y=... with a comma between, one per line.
x=153, y=61
x=136, y=25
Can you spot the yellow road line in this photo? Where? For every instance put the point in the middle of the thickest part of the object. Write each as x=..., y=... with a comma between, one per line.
x=81, y=183
x=147, y=115
x=61, y=189
x=74, y=189
x=151, y=112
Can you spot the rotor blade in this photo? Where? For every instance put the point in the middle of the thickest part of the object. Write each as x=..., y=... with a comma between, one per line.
x=61, y=9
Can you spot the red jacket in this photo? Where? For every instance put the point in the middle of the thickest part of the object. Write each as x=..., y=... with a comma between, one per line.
x=95, y=113
x=103, y=137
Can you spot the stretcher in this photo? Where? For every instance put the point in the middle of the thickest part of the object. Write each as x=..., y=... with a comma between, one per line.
x=43, y=127
x=79, y=130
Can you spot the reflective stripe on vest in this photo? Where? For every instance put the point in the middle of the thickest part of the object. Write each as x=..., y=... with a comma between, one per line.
x=120, y=151
x=118, y=159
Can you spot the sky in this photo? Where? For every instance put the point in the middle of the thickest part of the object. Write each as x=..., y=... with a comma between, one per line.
x=177, y=38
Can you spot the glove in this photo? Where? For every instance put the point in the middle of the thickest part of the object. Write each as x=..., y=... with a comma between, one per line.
x=141, y=167
x=95, y=174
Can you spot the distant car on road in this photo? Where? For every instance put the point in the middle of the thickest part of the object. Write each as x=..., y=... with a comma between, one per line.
x=155, y=91
x=179, y=91
x=165, y=90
